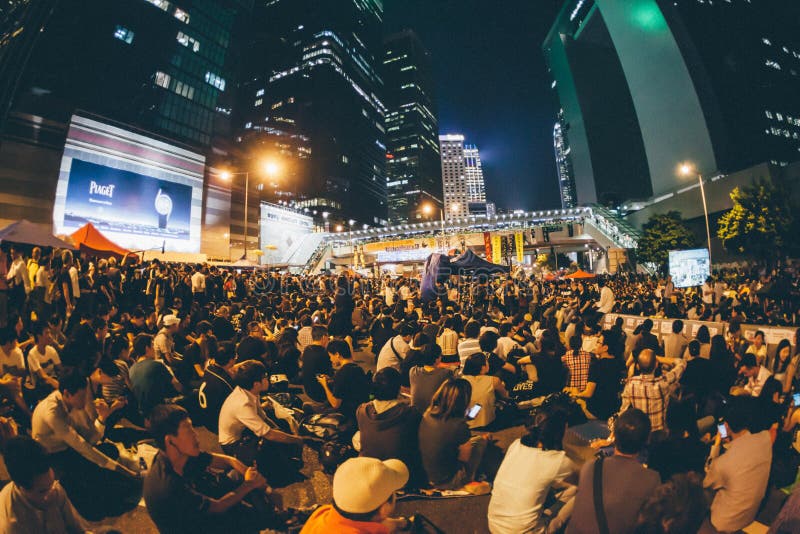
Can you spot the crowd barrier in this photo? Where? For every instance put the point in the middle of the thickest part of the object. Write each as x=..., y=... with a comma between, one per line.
x=772, y=334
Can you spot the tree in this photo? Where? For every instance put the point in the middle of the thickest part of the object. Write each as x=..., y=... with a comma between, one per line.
x=661, y=233
x=760, y=222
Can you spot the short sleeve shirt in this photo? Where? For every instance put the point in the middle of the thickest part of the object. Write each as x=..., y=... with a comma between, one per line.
x=173, y=501
x=47, y=362
x=351, y=384
x=439, y=440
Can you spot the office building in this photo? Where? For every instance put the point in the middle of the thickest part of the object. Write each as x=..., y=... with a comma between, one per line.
x=566, y=178
x=644, y=85
x=413, y=162
x=462, y=177
x=314, y=100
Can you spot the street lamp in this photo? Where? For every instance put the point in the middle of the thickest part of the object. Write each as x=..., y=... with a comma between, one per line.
x=687, y=169
x=270, y=168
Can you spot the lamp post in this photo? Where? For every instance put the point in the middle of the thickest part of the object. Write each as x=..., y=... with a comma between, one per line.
x=427, y=209
x=271, y=169
x=688, y=169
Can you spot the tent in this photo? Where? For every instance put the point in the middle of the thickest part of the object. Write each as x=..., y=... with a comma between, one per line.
x=439, y=266
x=91, y=241
x=28, y=233
x=579, y=274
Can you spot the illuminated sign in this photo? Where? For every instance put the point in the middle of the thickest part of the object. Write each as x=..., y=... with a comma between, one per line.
x=689, y=268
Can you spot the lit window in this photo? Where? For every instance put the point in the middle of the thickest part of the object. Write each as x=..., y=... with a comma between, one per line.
x=162, y=79
x=123, y=34
x=779, y=116
x=276, y=105
x=162, y=4
x=768, y=113
x=766, y=41
x=189, y=42
x=260, y=92
x=215, y=81
x=259, y=102
x=182, y=15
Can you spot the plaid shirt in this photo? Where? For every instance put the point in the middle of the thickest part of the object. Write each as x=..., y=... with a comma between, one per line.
x=577, y=363
x=651, y=394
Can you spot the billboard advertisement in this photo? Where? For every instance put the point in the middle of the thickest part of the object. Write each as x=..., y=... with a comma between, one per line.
x=689, y=268
x=283, y=234
x=126, y=202
x=139, y=191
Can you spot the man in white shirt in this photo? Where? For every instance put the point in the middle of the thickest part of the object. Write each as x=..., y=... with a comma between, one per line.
x=707, y=291
x=394, y=351
x=607, y=298
x=505, y=343
x=675, y=343
x=448, y=342
x=18, y=271
x=244, y=431
x=43, y=360
x=199, y=285
x=756, y=374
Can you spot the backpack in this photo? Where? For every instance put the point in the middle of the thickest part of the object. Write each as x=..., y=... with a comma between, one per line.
x=332, y=454
x=325, y=426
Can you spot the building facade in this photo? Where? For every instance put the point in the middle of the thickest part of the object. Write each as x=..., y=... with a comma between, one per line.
x=313, y=99
x=645, y=85
x=413, y=162
x=462, y=178
x=566, y=177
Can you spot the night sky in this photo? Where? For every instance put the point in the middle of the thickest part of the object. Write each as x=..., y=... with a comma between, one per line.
x=492, y=85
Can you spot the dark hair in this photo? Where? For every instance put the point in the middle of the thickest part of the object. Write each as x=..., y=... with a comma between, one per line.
x=677, y=326
x=702, y=334
x=98, y=323
x=488, y=341
x=429, y=354
x=386, y=384
x=225, y=352
x=108, y=367
x=37, y=329
x=647, y=325
x=451, y=399
x=681, y=417
x=71, y=381
x=473, y=364
x=25, y=459
x=694, y=348
x=777, y=365
x=718, y=349
x=340, y=347
x=472, y=329
x=7, y=335
x=575, y=342
x=165, y=419
x=118, y=344
x=547, y=428
x=741, y=412
x=204, y=327
x=318, y=331
x=676, y=506
x=249, y=373
x=631, y=431
x=140, y=344
x=505, y=328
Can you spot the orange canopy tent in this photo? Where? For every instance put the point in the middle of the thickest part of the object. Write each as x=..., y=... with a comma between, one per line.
x=89, y=240
x=579, y=274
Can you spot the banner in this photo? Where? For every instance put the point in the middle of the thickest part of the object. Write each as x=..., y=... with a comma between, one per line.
x=519, y=245
x=497, y=249
x=487, y=245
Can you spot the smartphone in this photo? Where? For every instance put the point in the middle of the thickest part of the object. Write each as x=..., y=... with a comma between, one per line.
x=796, y=400
x=473, y=411
x=723, y=431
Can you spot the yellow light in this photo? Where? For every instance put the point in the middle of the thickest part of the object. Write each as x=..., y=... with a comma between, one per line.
x=271, y=168
x=686, y=169
x=339, y=228
x=225, y=175
x=426, y=209
x=455, y=207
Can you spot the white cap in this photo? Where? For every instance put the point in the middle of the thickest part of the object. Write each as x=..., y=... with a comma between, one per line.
x=170, y=320
x=361, y=485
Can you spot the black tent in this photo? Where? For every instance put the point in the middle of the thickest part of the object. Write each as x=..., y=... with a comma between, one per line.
x=439, y=267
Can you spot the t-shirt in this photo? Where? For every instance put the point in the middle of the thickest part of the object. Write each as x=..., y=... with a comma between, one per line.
x=521, y=487
x=627, y=484
x=251, y=348
x=151, y=382
x=351, y=385
x=315, y=362
x=551, y=373
x=607, y=374
x=12, y=362
x=47, y=362
x=326, y=519
x=424, y=384
x=439, y=440
x=483, y=394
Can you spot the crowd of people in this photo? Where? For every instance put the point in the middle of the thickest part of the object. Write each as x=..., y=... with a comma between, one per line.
x=107, y=367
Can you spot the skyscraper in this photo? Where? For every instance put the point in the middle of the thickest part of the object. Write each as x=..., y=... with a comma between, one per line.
x=566, y=178
x=314, y=91
x=413, y=166
x=647, y=84
x=462, y=177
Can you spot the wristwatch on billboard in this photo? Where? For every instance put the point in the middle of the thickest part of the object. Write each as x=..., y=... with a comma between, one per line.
x=163, y=208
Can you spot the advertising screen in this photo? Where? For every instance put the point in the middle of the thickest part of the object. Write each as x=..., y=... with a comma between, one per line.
x=127, y=202
x=283, y=234
x=689, y=268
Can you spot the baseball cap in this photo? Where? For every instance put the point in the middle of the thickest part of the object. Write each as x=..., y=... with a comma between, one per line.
x=170, y=320
x=361, y=485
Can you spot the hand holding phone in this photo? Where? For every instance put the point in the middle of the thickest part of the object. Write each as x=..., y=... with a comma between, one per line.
x=723, y=430
x=796, y=400
x=473, y=411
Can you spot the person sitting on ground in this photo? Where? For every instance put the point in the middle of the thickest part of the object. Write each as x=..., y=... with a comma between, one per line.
x=316, y=362
x=217, y=385
x=600, y=398
x=174, y=494
x=532, y=467
x=676, y=342
x=470, y=344
x=677, y=506
x=363, y=499
x=450, y=454
x=426, y=377
x=151, y=380
x=624, y=482
x=650, y=393
x=388, y=427
x=394, y=351
x=448, y=341
x=577, y=362
x=70, y=425
x=253, y=346
x=681, y=451
x=756, y=375
x=485, y=389
x=44, y=363
x=739, y=477
x=497, y=366
x=34, y=501
x=349, y=387
x=246, y=433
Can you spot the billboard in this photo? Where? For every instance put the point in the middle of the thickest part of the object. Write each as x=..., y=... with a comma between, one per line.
x=140, y=192
x=689, y=268
x=283, y=233
x=127, y=202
